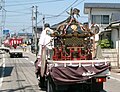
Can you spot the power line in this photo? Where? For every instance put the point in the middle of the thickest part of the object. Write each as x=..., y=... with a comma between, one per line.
x=64, y=16
x=17, y=15
x=35, y=2
x=23, y=9
x=15, y=22
x=66, y=9
x=18, y=12
x=21, y=1
x=60, y=13
x=78, y=3
x=51, y=15
x=16, y=26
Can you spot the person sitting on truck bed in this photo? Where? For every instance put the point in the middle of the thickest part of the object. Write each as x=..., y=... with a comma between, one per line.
x=45, y=40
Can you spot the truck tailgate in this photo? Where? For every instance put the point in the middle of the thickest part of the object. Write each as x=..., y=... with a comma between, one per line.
x=69, y=72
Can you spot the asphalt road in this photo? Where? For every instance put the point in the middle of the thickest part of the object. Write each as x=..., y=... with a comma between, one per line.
x=18, y=75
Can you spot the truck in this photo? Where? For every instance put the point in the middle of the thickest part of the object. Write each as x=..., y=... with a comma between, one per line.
x=14, y=45
x=75, y=62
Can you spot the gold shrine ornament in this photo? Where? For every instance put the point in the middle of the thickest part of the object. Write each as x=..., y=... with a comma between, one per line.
x=74, y=27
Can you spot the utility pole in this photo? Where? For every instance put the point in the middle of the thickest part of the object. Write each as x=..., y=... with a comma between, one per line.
x=43, y=21
x=36, y=47
x=34, y=26
x=32, y=20
x=3, y=15
x=33, y=32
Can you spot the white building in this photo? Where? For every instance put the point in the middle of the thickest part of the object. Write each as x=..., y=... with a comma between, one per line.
x=102, y=13
x=106, y=15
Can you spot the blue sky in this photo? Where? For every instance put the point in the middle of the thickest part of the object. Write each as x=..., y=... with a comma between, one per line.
x=19, y=12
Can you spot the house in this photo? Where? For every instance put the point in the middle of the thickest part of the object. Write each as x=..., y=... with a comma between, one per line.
x=102, y=13
x=114, y=28
x=107, y=16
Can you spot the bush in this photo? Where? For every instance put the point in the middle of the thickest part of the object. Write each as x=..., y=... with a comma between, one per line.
x=105, y=43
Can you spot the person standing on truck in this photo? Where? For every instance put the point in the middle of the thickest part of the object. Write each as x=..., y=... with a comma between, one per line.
x=15, y=46
x=45, y=40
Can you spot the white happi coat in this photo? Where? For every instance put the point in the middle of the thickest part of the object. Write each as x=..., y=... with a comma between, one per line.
x=45, y=40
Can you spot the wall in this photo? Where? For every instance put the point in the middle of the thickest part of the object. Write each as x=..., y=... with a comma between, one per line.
x=114, y=37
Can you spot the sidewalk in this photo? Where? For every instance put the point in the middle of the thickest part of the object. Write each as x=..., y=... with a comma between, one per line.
x=115, y=70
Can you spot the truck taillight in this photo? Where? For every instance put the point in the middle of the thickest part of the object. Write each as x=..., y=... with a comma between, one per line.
x=100, y=80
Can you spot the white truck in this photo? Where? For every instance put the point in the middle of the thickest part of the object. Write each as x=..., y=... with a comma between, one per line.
x=72, y=65
x=14, y=45
x=16, y=52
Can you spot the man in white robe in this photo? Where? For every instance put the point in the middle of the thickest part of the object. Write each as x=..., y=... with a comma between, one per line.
x=45, y=40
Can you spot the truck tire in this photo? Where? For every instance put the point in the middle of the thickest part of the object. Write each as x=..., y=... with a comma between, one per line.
x=50, y=86
x=21, y=55
x=97, y=87
x=11, y=56
x=42, y=82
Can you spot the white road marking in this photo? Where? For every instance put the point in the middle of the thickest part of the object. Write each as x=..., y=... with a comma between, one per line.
x=115, y=78
x=30, y=61
x=1, y=79
x=26, y=58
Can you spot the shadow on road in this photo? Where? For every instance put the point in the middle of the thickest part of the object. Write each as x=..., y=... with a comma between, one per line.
x=20, y=57
x=7, y=71
x=70, y=90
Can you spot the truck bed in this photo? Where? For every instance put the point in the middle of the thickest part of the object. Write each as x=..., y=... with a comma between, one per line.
x=16, y=51
x=70, y=72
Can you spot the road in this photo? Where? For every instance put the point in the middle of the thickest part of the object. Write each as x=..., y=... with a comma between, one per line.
x=18, y=75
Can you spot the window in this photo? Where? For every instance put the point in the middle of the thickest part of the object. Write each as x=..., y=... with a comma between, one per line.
x=100, y=19
x=105, y=19
x=96, y=19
